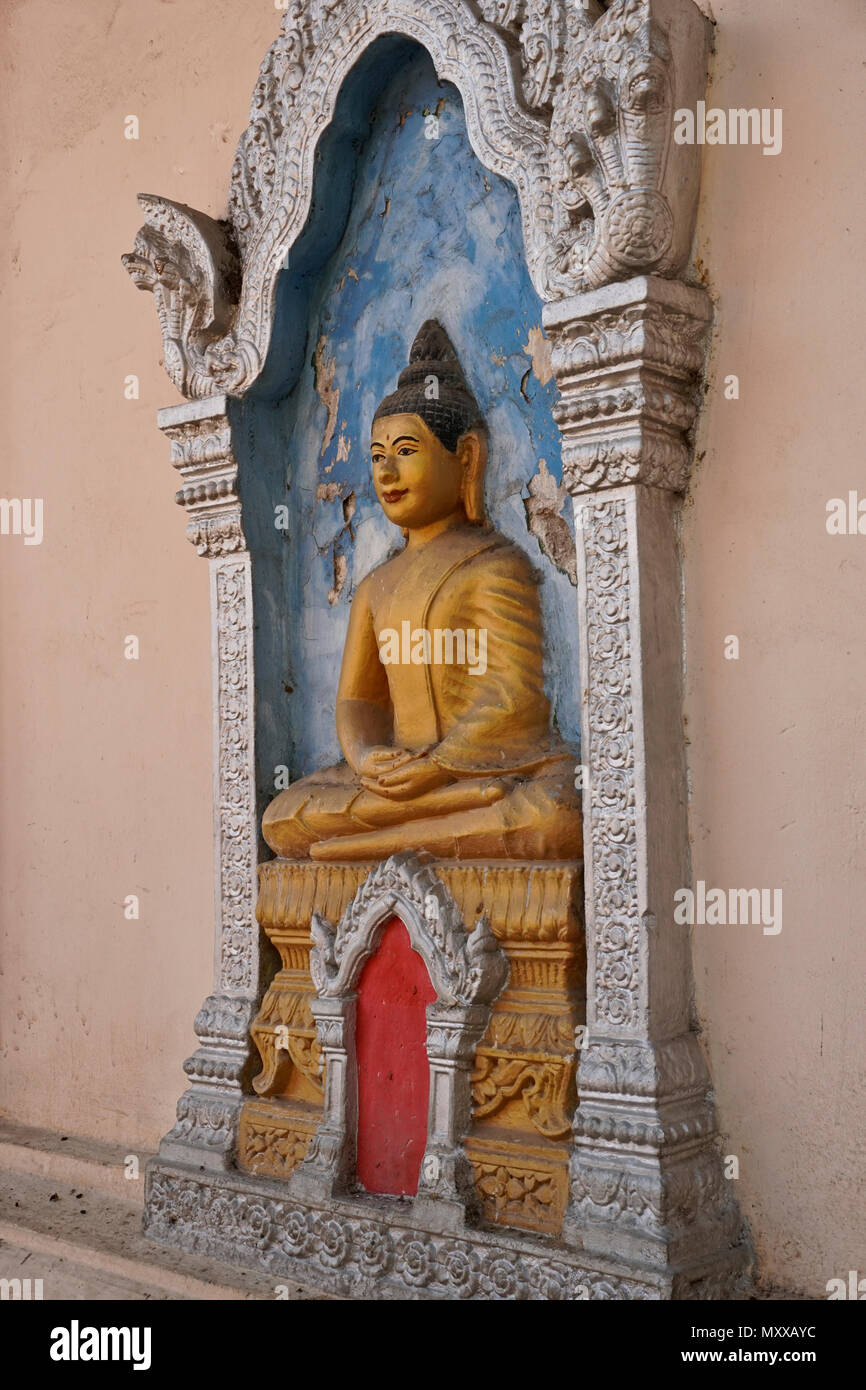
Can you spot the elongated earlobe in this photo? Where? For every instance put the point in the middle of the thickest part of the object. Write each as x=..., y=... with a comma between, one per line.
x=473, y=451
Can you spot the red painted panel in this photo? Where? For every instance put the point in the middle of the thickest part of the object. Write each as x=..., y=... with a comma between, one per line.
x=393, y=1073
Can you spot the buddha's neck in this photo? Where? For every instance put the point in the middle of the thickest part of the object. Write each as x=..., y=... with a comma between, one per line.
x=423, y=535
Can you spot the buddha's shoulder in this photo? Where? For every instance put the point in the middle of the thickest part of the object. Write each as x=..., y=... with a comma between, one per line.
x=383, y=574
x=496, y=553
x=498, y=546
x=471, y=548
x=481, y=547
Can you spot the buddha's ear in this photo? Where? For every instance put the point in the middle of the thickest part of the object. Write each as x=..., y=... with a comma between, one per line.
x=472, y=452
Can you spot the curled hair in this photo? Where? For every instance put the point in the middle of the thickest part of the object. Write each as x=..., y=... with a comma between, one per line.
x=453, y=409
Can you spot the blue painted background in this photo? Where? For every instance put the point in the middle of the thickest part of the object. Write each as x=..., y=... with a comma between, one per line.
x=427, y=232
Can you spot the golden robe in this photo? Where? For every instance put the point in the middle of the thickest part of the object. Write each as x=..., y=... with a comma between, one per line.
x=490, y=730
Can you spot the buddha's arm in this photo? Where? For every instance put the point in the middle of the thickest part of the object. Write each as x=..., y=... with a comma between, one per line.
x=364, y=713
x=504, y=721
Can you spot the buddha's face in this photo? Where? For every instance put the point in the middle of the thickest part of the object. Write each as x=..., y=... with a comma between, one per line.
x=417, y=480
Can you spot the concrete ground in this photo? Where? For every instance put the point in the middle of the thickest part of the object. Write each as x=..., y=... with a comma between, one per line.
x=70, y=1216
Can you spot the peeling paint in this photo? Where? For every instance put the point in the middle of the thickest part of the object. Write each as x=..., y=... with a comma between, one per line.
x=329, y=493
x=546, y=523
x=341, y=569
x=328, y=393
x=344, y=445
x=538, y=348
x=351, y=274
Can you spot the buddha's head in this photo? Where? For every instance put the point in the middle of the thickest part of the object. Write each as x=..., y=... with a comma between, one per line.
x=428, y=441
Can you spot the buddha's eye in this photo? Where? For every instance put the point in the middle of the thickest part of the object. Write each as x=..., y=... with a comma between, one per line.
x=406, y=449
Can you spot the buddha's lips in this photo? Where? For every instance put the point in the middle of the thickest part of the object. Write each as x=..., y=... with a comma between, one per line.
x=390, y=497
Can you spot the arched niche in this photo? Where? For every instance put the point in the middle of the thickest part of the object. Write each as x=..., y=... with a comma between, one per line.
x=402, y=227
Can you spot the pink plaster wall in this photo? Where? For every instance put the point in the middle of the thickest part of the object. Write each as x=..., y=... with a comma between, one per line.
x=105, y=775
x=105, y=781
x=777, y=737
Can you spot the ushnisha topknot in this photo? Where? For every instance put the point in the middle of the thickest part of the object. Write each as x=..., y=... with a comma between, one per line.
x=451, y=412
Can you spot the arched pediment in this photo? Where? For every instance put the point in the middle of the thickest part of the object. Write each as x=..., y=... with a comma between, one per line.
x=295, y=102
x=465, y=967
x=572, y=103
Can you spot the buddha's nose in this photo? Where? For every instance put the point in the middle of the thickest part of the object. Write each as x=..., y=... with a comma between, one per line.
x=387, y=470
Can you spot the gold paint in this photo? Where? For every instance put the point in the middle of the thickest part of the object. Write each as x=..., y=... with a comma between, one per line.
x=275, y=1129
x=273, y=1140
x=523, y=1080
x=522, y=1186
x=440, y=755
x=289, y=894
x=460, y=762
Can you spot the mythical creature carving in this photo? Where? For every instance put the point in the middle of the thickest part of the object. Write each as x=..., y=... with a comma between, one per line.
x=190, y=264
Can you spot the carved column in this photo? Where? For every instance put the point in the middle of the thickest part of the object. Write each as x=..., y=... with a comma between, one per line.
x=446, y=1191
x=646, y=1180
x=207, y=1113
x=329, y=1165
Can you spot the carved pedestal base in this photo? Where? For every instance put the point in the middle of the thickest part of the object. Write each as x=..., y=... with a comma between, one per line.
x=373, y=1248
x=521, y=1072
x=502, y=1109
x=206, y=1128
x=275, y=1131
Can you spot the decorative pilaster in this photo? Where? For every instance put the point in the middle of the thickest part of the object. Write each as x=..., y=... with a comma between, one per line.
x=207, y=1113
x=646, y=1179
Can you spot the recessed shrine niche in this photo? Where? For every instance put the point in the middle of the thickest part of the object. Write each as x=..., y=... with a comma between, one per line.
x=373, y=242
x=407, y=226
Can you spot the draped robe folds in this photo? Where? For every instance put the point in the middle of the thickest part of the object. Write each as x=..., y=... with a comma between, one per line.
x=489, y=729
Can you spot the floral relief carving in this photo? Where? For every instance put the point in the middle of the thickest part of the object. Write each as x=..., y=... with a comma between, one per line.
x=285, y=1034
x=279, y=1151
x=466, y=967
x=236, y=804
x=370, y=1253
x=611, y=757
x=517, y=1194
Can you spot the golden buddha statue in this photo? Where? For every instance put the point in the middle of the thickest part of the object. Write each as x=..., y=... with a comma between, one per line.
x=441, y=710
